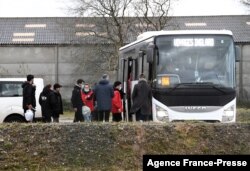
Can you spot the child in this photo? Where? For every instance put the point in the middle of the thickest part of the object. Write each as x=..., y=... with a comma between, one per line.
x=86, y=113
x=117, y=103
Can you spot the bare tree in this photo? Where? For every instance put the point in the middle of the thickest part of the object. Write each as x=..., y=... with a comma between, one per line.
x=111, y=24
x=246, y=2
x=117, y=21
x=152, y=14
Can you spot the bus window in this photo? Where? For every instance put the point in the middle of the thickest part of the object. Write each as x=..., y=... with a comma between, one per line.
x=140, y=64
x=122, y=73
x=135, y=69
x=146, y=68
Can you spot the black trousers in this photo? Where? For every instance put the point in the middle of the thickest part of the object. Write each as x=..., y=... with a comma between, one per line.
x=103, y=114
x=78, y=115
x=55, y=116
x=46, y=117
x=117, y=117
x=141, y=117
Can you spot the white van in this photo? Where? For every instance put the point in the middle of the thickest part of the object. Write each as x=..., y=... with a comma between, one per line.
x=11, y=99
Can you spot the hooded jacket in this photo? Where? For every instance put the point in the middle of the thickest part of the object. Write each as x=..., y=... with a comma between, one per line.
x=76, y=98
x=45, y=100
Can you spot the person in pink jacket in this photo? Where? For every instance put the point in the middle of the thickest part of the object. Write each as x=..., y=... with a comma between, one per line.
x=117, y=103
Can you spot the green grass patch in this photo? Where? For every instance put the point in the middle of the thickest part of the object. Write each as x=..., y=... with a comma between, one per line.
x=243, y=115
x=113, y=146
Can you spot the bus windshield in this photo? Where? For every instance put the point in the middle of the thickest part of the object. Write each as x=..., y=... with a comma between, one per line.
x=195, y=59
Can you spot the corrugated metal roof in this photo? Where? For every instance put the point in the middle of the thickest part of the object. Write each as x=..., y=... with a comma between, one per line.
x=63, y=30
x=236, y=23
x=57, y=30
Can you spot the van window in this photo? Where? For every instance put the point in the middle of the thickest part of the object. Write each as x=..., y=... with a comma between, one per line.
x=11, y=89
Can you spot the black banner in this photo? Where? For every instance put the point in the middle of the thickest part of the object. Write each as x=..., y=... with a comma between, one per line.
x=175, y=162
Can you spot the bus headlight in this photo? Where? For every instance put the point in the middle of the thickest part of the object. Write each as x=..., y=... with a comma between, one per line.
x=161, y=114
x=228, y=114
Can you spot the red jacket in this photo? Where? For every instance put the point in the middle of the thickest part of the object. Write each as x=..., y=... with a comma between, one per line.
x=116, y=102
x=88, y=99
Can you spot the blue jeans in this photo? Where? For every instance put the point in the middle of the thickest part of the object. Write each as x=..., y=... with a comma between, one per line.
x=87, y=118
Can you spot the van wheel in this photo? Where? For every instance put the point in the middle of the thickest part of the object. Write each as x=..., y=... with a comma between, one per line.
x=15, y=118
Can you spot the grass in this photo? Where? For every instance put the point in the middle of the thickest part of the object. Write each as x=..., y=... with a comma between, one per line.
x=243, y=115
x=113, y=146
x=243, y=104
x=68, y=114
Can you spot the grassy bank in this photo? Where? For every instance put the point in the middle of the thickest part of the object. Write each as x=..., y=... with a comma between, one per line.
x=109, y=146
x=243, y=115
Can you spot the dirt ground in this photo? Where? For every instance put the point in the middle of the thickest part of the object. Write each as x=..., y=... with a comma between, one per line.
x=112, y=146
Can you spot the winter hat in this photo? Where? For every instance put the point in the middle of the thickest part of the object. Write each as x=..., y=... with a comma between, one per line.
x=30, y=77
x=117, y=83
x=56, y=85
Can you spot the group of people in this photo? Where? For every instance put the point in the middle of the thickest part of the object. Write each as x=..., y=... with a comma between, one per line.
x=50, y=100
x=90, y=104
x=105, y=99
x=102, y=100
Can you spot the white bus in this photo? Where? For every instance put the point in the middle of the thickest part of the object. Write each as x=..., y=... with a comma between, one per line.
x=11, y=99
x=191, y=72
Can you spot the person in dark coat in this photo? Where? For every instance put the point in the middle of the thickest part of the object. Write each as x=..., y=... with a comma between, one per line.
x=45, y=100
x=29, y=89
x=76, y=100
x=142, y=97
x=104, y=93
x=57, y=108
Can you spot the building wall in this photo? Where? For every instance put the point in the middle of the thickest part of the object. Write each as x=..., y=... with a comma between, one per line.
x=62, y=64
x=243, y=73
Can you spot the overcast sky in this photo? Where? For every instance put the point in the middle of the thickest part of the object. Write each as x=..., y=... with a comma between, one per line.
x=58, y=8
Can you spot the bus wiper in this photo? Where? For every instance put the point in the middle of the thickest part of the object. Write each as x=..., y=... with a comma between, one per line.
x=212, y=85
x=180, y=84
x=215, y=86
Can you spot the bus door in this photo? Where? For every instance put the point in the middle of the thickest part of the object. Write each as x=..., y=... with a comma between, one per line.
x=129, y=76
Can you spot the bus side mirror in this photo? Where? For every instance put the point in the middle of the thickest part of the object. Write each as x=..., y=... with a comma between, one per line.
x=150, y=52
x=237, y=53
